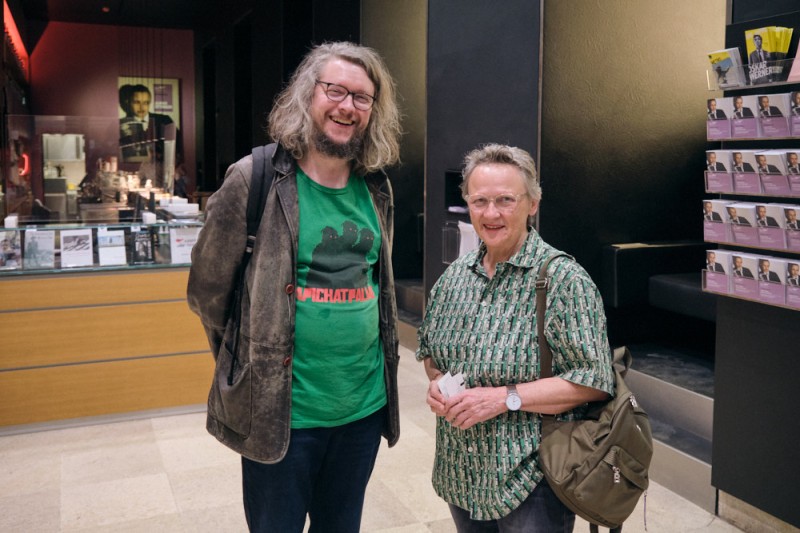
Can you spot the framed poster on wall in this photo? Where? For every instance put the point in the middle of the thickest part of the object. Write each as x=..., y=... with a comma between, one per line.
x=149, y=125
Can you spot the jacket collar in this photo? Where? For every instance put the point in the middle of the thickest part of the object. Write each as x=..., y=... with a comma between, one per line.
x=282, y=161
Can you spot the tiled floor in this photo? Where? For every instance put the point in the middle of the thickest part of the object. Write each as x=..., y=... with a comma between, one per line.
x=167, y=474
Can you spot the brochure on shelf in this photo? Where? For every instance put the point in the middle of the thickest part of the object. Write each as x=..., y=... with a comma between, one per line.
x=160, y=236
x=718, y=178
x=111, y=247
x=745, y=177
x=794, y=110
x=717, y=173
x=766, y=47
x=742, y=161
x=792, y=160
x=793, y=296
x=719, y=181
x=714, y=217
x=758, y=45
x=76, y=248
x=743, y=269
x=40, y=249
x=718, y=127
x=773, y=112
x=181, y=242
x=793, y=272
x=741, y=217
x=792, y=224
x=771, y=226
x=794, y=73
x=792, y=166
x=717, y=160
x=793, y=283
x=771, y=280
x=716, y=272
x=10, y=250
x=771, y=166
x=141, y=246
x=727, y=67
x=744, y=124
x=790, y=216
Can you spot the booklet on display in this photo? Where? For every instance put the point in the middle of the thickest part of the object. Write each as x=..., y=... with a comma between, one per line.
x=773, y=112
x=716, y=271
x=111, y=247
x=40, y=249
x=141, y=246
x=744, y=124
x=181, y=241
x=10, y=250
x=76, y=248
x=715, y=228
x=771, y=280
x=726, y=66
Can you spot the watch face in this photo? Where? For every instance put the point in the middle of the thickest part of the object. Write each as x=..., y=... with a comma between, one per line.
x=513, y=402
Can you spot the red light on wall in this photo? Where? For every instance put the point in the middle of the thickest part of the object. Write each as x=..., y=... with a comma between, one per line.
x=16, y=40
x=26, y=165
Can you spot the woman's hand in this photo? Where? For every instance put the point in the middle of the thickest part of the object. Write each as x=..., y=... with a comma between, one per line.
x=435, y=397
x=472, y=406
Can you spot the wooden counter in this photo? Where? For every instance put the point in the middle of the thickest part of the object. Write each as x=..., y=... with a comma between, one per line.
x=80, y=345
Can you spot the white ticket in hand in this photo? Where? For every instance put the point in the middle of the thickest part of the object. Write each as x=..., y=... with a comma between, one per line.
x=450, y=385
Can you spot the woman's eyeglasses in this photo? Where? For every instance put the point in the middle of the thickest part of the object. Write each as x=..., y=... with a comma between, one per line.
x=503, y=202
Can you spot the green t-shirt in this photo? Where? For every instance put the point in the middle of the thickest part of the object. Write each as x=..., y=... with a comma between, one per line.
x=338, y=359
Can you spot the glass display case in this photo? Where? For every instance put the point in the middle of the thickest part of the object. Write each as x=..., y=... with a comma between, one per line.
x=59, y=248
x=56, y=165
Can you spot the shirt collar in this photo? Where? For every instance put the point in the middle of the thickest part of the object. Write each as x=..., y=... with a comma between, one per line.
x=528, y=256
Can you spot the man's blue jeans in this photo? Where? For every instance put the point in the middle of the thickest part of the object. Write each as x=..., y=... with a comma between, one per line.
x=324, y=474
x=541, y=512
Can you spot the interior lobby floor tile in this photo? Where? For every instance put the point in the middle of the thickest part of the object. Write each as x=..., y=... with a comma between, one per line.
x=167, y=474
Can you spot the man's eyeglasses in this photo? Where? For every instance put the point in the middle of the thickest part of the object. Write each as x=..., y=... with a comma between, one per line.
x=337, y=93
x=503, y=202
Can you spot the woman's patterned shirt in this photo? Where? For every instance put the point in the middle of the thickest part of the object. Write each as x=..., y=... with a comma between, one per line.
x=486, y=329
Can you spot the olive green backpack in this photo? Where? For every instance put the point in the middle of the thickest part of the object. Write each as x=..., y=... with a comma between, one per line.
x=597, y=466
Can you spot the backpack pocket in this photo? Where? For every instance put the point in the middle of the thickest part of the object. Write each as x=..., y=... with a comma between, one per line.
x=613, y=487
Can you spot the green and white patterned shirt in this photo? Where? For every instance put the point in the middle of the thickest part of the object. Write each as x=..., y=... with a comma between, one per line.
x=486, y=329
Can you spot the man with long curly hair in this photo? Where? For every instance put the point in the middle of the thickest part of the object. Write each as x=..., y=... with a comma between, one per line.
x=313, y=384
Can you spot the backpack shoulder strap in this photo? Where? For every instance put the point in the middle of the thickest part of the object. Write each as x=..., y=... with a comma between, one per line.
x=546, y=356
x=259, y=189
x=260, y=184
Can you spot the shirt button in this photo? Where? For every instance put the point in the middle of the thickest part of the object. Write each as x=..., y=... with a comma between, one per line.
x=289, y=289
x=469, y=449
x=287, y=361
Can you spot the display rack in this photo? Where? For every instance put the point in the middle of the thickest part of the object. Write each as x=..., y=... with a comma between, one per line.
x=752, y=189
x=59, y=248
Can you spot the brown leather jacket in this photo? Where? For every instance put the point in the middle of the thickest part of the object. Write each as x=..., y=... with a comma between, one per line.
x=252, y=416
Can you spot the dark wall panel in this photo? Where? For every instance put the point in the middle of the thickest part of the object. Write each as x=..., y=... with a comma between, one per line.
x=623, y=123
x=397, y=31
x=266, y=40
x=482, y=84
x=755, y=416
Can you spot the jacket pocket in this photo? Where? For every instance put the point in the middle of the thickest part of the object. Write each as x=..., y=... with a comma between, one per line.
x=232, y=399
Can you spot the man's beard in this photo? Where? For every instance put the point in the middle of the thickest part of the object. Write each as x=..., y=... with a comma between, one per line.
x=349, y=150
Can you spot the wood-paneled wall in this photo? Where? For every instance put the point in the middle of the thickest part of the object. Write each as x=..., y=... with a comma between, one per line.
x=81, y=345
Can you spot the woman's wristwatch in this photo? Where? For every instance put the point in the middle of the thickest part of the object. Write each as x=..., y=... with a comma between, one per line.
x=513, y=401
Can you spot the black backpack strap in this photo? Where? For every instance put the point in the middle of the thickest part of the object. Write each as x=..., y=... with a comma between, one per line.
x=546, y=356
x=259, y=189
x=260, y=183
